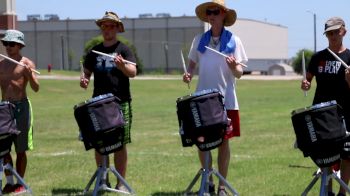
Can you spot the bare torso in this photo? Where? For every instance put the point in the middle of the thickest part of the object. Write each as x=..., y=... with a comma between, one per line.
x=13, y=80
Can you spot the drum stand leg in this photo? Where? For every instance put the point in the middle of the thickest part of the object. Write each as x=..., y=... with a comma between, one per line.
x=206, y=173
x=100, y=176
x=14, y=172
x=324, y=174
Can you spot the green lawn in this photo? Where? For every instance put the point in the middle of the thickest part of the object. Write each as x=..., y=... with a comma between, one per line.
x=263, y=161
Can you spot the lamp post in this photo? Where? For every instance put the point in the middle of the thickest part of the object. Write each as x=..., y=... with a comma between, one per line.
x=314, y=16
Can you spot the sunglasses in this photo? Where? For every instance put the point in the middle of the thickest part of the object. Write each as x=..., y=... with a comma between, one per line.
x=334, y=32
x=10, y=44
x=214, y=12
x=107, y=27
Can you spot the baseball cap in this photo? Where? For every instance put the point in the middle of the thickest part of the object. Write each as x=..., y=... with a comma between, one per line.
x=333, y=23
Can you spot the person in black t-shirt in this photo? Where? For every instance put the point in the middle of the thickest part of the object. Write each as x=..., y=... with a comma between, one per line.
x=333, y=80
x=111, y=75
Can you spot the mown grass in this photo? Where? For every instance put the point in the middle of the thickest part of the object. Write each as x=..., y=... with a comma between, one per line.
x=263, y=161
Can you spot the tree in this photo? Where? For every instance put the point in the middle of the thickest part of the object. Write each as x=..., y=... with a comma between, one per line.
x=99, y=39
x=297, y=61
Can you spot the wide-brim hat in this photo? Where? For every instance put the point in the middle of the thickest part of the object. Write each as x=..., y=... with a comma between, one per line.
x=231, y=14
x=113, y=17
x=14, y=36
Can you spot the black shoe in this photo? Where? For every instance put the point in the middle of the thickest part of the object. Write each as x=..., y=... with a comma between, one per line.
x=341, y=194
x=331, y=194
x=211, y=189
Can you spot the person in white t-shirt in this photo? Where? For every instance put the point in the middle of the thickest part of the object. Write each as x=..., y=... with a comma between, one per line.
x=218, y=72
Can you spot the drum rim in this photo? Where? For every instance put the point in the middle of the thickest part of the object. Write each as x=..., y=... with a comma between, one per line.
x=4, y=103
x=93, y=100
x=314, y=107
x=198, y=94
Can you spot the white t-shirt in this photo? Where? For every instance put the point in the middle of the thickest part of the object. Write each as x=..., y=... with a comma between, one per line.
x=214, y=71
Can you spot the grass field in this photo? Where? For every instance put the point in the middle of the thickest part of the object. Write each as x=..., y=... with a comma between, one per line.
x=263, y=161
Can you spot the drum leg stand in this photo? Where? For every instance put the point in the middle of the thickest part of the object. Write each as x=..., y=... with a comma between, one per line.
x=325, y=176
x=206, y=173
x=13, y=171
x=101, y=178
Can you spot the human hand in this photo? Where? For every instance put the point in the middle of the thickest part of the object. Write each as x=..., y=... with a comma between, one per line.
x=84, y=82
x=305, y=85
x=187, y=77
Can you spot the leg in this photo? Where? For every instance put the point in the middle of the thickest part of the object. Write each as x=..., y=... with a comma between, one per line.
x=223, y=160
x=98, y=159
x=345, y=173
x=9, y=186
x=21, y=163
x=120, y=162
x=8, y=159
x=201, y=155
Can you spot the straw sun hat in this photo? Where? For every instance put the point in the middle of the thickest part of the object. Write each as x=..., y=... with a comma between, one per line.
x=231, y=15
x=113, y=17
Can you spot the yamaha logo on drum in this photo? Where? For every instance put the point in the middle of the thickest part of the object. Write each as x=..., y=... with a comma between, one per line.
x=194, y=110
x=311, y=128
x=94, y=120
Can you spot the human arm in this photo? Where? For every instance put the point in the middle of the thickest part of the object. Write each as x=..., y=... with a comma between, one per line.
x=85, y=78
x=30, y=75
x=128, y=69
x=187, y=77
x=235, y=67
x=306, y=84
x=347, y=76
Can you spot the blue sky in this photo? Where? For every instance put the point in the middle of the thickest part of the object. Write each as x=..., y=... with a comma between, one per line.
x=296, y=15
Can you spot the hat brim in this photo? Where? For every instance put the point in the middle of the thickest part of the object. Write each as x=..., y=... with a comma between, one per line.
x=120, y=24
x=231, y=15
x=11, y=40
x=335, y=27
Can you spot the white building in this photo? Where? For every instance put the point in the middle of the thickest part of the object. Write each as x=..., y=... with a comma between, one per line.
x=158, y=41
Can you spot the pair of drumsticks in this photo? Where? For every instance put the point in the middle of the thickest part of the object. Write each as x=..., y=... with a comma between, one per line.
x=332, y=53
x=212, y=50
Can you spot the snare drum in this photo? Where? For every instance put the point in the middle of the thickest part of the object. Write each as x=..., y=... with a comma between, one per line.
x=5, y=144
x=7, y=118
x=7, y=127
x=100, y=120
x=202, y=114
x=320, y=132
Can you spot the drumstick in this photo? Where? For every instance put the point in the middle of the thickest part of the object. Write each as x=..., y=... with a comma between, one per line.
x=304, y=71
x=339, y=59
x=82, y=74
x=184, y=67
x=108, y=55
x=21, y=64
x=224, y=55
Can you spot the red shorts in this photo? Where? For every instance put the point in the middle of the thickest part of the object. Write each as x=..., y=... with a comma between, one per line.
x=234, y=129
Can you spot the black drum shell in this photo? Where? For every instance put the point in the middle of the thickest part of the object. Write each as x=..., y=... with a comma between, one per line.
x=202, y=114
x=101, y=123
x=317, y=129
x=5, y=144
x=7, y=118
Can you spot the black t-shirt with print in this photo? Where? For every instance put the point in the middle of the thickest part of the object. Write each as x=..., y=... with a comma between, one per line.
x=107, y=77
x=330, y=78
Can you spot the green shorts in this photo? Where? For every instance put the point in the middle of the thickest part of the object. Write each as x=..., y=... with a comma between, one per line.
x=127, y=113
x=24, y=121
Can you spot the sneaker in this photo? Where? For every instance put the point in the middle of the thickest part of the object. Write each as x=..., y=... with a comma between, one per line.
x=8, y=188
x=19, y=189
x=222, y=192
x=122, y=188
